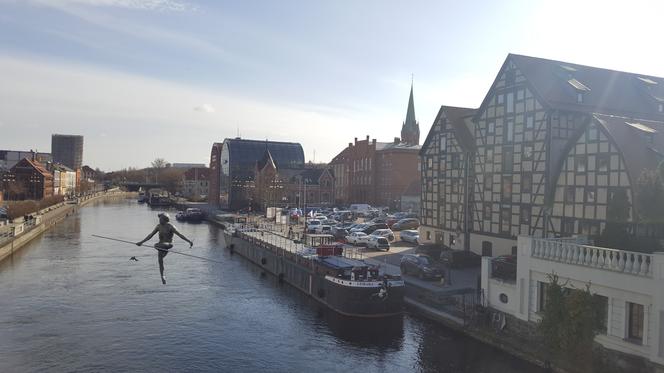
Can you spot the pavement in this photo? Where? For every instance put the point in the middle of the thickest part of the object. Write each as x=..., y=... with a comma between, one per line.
x=389, y=263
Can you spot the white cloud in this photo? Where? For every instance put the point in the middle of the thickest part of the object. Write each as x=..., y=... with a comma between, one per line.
x=205, y=108
x=145, y=118
x=161, y=5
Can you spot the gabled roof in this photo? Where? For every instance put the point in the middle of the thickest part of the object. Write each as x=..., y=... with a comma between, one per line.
x=604, y=91
x=641, y=142
x=266, y=161
x=461, y=120
x=26, y=162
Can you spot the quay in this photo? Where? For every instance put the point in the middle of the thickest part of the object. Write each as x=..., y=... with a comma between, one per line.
x=15, y=235
x=458, y=306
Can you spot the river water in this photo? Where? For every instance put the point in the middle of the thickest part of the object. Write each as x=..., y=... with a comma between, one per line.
x=73, y=302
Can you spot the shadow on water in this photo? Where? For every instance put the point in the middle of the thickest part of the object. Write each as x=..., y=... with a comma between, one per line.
x=381, y=333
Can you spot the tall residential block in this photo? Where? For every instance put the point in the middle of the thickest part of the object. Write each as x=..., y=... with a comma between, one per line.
x=67, y=150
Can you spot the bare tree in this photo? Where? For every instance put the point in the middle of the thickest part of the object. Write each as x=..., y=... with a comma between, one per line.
x=159, y=163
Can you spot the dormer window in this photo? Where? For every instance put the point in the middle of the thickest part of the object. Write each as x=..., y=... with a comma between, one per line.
x=579, y=97
x=660, y=107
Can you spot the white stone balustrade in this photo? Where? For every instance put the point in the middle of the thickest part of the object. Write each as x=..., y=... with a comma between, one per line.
x=571, y=252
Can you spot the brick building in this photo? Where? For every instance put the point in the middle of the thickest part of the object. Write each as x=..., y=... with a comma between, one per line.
x=378, y=173
x=33, y=179
x=291, y=187
x=195, y=182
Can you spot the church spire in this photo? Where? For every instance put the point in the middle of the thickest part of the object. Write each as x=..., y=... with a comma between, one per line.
x=410, y=132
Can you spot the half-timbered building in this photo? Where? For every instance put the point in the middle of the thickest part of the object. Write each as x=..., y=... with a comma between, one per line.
x=541, y=135
x=446, y=161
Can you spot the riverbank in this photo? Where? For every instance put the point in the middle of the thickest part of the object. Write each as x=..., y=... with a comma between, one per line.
x=14, y=236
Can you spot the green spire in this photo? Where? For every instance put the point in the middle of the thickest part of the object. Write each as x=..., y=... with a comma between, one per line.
x=410, y=115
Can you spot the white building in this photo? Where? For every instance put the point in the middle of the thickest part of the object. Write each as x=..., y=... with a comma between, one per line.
x=631, y=283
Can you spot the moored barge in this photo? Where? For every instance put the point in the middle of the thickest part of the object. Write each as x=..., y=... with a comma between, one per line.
x=323, y=270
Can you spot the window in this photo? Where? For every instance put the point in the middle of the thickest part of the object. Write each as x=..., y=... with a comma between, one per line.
x=510, y=77
x=492, y=126
x=593, y=134
x=543, y=295
x=489, y=155
x=428, y=235
x=456, y=163
x=505, y=220
x=509, y=102
x=508, y=159
x=602, y=303
x=568, y=227
x=528, y=152
x=500, y=99
x=579, y=97
x=443, y=144
x=635, y=322
x=569, y=194
x=660, y=108
x=530, y=120
x=580, y=163
x=602, y=163
x=590, y=194
x=519, y=95
x=509, y=131
x=506, y=190
x=487, y=211
x=525, y=213
x=527, y=183
x=488, y=181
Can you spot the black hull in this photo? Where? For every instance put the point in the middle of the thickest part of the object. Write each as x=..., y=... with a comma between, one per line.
x=348, y=298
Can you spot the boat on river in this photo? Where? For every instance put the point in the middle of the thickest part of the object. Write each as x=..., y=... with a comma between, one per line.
x=191, y=215
x=332, y=273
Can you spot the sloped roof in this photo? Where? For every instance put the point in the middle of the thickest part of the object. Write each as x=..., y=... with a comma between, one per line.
x=461, y=120
x=632, y=141
x=40, y=168
x=197, y=173
x=604, y=91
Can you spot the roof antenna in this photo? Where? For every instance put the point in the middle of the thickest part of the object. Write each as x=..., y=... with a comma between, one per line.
x=314, y=155
x=238, y=130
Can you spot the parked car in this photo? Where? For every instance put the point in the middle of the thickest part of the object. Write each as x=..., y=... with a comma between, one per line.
x=504, y=267
x=422, y=266
x=339, y=234
x=387, y=233
x=312, y=224
x=370, y=228
x=408, y=223
x=359, y=228
x=357, y=238
x=460, y=258
x=410, y=235
x=378, y=243
x=323, y=229
x=295, y=213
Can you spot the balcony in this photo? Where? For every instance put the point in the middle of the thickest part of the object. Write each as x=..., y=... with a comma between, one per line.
x=572, y=251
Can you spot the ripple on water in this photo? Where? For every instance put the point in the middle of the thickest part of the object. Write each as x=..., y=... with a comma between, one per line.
x=72, y=302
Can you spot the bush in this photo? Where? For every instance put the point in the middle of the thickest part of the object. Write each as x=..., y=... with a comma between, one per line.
x=19, y=209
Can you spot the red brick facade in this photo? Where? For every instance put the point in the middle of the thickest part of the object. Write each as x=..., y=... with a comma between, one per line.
x=374, y=172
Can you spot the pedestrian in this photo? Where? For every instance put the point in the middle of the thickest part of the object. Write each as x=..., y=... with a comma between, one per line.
x=166, y=231
x=290, y=232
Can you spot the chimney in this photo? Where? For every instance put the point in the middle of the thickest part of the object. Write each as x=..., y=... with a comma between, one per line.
x=367, y=138
x=397, y=140
x=373, y=142
x=356, y=141
x=350, y=144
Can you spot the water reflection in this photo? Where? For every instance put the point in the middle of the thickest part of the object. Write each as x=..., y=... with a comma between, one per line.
x=71, y=302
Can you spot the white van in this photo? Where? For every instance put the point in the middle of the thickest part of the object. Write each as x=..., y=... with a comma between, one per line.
x=360, y=209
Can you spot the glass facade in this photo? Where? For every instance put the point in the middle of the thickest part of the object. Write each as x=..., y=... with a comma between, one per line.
x=238, y=162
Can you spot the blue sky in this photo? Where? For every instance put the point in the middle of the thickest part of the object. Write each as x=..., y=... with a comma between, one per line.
x=167, y=78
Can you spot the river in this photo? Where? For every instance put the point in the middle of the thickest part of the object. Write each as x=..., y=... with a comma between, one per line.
x=73, y=302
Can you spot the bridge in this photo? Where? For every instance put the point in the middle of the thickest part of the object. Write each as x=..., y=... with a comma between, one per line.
x=134, y=186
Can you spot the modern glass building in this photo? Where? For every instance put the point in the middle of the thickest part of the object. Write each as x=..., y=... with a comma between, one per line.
x=233, y=164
